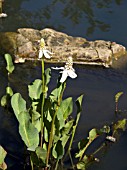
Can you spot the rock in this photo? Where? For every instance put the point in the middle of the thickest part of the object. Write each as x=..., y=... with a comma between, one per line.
x=24, y=44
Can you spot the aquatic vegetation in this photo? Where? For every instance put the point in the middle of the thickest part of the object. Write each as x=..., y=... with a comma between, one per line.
x=46, y=124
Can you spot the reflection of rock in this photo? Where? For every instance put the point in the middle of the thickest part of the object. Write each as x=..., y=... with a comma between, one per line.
x=24, y=44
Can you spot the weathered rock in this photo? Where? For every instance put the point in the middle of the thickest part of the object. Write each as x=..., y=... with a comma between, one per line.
x=24, y=44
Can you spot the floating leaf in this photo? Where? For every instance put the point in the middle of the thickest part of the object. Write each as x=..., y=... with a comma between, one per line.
x=28, y=132
x=121, y=124
x=18, y=104
x=117, y=96
x=10, y=66
x=35, y=89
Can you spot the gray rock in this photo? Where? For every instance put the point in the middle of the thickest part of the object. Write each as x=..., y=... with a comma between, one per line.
x=24, y=44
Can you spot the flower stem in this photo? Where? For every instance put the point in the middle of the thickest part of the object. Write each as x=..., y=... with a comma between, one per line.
x=43, y=101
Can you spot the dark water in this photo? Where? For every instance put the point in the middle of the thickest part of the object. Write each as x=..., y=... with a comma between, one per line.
x=92, y=19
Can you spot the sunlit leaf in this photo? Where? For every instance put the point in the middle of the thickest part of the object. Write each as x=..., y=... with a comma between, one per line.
x=28, y=132
x=4, y=100
x=83, y=163
x=10, y=66
x=36, y=120
x=18, y=104
x=121, y=124
x=9, y=91
x=35, y=89
x=92, y=134
x=3, y=154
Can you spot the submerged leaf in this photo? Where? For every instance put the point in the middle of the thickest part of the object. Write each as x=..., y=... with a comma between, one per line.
x=10, y=66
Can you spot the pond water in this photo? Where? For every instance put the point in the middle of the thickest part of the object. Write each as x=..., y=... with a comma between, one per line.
x=91, y=19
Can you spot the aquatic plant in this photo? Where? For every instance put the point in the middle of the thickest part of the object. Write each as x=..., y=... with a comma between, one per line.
x=45, y=126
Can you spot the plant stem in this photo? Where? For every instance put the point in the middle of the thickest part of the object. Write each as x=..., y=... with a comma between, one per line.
x=43, y=101
x=53, y=123
x=71, y=159
x=56, y=167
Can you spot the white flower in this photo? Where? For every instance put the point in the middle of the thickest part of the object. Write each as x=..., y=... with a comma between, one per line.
x=67, y=70
x=43, y=51
x=3, y=15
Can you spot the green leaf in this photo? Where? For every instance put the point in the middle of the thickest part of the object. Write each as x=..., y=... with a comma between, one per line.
x=9, y=91
x=10, y=66
x=28, y=132
x=36, y=121
x=117, y=96
x=86, y=143
x=84, y=163
x=58, y=150
x=18, y=104
x=56, y=93
x=4, y=100
x=121, y=124
x=35, y=89
x=3, y=154
x=47, y=76
x=41, y=154
x=92, y=135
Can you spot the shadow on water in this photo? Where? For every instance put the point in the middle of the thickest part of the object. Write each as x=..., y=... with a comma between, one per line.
x=97, y=19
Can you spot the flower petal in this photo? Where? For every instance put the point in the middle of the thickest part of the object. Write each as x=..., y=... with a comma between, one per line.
x=64, y=76
x=40, y=53
x=72, y=74
x=58, y=68
x=46, y=53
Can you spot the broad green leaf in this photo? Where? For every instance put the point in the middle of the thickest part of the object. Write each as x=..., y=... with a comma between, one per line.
x=3, y=154
x=117, y=96
x=58, y=92
x=35, y=89
x=28, y=132
x=18, y=104
x=36, y=121
x=10, y=66
x=41, y=154
x=121, y=124
x=58, y=150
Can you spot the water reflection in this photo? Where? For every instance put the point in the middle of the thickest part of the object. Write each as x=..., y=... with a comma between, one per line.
x=58, y=14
